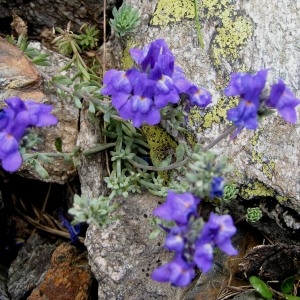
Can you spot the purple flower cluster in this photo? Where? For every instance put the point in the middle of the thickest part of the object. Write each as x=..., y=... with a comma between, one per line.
x=193, y=245
x=139, y=94
x=217, y=187
x=249, y=88
x=14, y=120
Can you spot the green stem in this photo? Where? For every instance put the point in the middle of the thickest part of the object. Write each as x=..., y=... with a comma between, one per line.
x=148, y=184
x=88, y=152
x=49, y=154
x=186, y=160
x=97, y=149
x=198, y=26
x=158, y=169
x=70, y=91
x=220, y=137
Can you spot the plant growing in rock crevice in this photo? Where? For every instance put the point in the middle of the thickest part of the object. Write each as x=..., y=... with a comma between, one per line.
x=138, y=96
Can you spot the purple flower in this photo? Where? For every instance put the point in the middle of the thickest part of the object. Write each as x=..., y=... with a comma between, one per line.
x=199, y=97
x=118, y=84
x=203, y=256
x=181, y=83
x=216, y=232
x=175, y=239
x=247, y=86
x=284, y=100
x=14, y=120
x=165, y=91
x=148, y=57
x=73, y=230
x=9, y=152
x=217, y=186
x=219, y=230
x=244, y=115
x=28, y=113
x=140, y=106
x=178, y=272
x=40, y=114
x=178, y=208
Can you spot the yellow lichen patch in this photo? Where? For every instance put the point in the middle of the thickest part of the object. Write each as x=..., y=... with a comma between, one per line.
x=268, y=169
x=214, y=7
x=256, y=157
x=230, y=38
x=233, y=33
x=256, y=189
x=219, y=111
x=127, y=61
x=254, y=139
x=281, y=198
x=161, y=145
x=168, y=11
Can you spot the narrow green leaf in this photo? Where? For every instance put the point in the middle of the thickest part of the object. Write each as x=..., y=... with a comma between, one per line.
x=92, y=108
x=180, y=150
x=261, y=287
x=154, y=234
x=107, y=116
x=58, y=144
x=41, y=170
x=287, y=285
x=77, y=102
x=140, y=161
x=62, y=80
x=291, y=297
x=166, y=161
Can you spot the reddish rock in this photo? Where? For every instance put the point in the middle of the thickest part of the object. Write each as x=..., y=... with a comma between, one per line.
x=69, y=276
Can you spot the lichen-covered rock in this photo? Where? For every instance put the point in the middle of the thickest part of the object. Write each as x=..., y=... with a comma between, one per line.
x=122, y=257
x=238, y=37
x=20, y=78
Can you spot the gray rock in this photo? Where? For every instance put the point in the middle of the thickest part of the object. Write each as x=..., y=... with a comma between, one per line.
x=40, y=14
x=3, y=283
x=238, y=36
x=122, y=257
x=30, y=267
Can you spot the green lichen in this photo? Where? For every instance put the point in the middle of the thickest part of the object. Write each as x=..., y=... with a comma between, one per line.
x=217, y=114
x=281, y=198
x=219, y=111
x=127, y=61
x=256, y=189
x=254, y=139
x=161, y=145
x=169, y=11
x=256, y=157
x=213, y=8
x=230, y=38
x=233, y=33
x=268, y=169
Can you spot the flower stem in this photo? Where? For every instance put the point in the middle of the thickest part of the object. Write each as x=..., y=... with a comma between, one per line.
x=198, y=27
x=88, y=152
x=158, y=169
x=220, y=138
x=97, y=149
